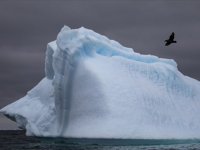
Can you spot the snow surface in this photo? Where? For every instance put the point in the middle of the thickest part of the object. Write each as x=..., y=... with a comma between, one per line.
x=96, y=88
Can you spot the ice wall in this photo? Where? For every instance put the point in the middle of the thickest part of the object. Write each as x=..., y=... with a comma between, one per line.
x=94, y=87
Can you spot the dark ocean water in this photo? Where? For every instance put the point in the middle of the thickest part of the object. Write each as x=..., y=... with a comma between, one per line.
x=16, y=140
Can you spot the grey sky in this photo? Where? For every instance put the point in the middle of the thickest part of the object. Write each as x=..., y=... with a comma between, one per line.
x=26, y=26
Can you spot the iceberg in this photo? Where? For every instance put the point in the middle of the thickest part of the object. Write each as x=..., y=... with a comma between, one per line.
x=96, y=88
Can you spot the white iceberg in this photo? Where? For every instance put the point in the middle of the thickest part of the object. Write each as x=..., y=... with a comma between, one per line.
x=96, y=88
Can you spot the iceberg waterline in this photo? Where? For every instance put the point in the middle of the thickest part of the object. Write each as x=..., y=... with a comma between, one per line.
x=96, y=88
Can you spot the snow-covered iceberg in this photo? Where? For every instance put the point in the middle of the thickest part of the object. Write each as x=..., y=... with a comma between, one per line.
x=96, y=88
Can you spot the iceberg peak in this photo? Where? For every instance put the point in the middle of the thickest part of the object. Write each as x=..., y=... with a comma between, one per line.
x=88, y=42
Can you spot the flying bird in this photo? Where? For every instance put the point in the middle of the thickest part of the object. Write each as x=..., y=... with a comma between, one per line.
x=170, y=40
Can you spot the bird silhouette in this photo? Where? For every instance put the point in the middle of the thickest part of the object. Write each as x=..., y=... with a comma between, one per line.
x=170, y=40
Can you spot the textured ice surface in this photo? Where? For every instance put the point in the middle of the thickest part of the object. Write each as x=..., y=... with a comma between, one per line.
x=95, y=87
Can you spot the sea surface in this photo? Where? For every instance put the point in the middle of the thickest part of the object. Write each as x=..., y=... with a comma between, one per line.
x=17, y=140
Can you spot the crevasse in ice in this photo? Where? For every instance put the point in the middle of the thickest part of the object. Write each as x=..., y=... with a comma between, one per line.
x=96, y=88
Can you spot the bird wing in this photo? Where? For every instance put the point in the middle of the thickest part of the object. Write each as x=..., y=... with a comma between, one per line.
x=172, y=36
